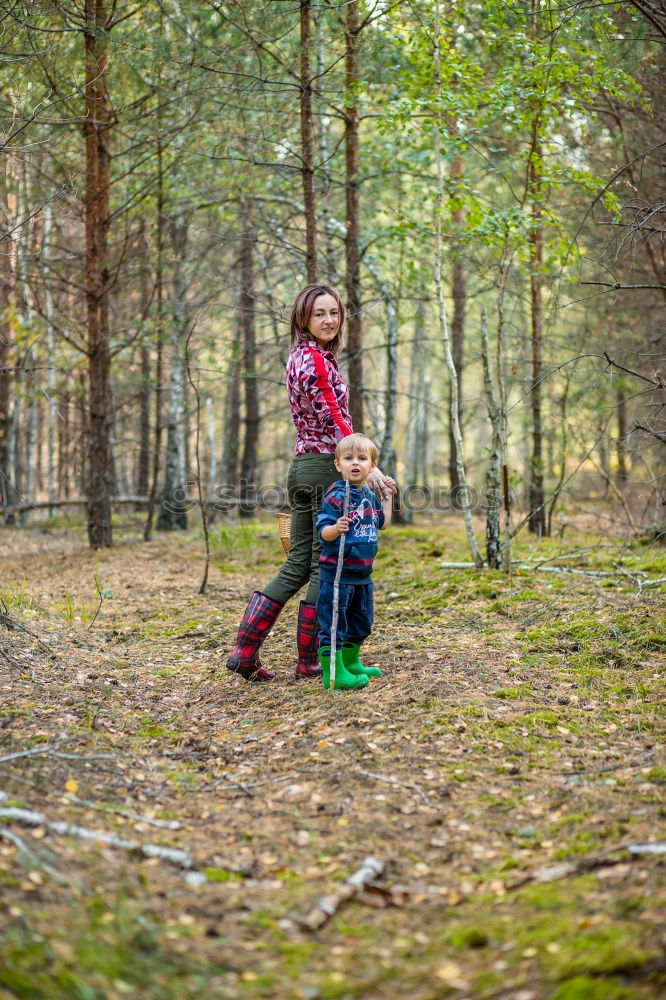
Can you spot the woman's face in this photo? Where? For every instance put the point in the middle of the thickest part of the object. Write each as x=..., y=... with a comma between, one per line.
x=324, y=321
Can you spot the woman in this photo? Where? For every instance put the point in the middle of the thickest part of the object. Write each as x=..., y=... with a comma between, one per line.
x=319, y=404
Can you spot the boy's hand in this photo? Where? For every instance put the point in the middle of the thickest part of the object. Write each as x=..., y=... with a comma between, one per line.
x=332, y=531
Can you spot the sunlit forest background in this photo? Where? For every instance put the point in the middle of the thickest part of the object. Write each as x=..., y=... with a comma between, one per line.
x=173, y=172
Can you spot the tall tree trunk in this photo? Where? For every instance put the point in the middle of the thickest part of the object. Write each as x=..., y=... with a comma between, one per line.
x=143, y=457
x=415, y=413
x=232, y=403
x=324, y=156
x=30, y=439
x=493, y=497
x=63, y=445
x=352, y=247
x=52, y=411
x=388, y=455
x=537, y=516
x=622, y=471
x=247, y=323
x=172, y=506
x=307, y=142
x=84, y=435
x=23, y=413
x=7, y=299
x=159, y=337
x=212, y=447
x=465, y=500
x=96, y=131
x=537, y=519
x=459, y=294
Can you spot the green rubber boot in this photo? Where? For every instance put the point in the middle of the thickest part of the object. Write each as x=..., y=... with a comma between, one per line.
x=344, y=681
x=352, y=661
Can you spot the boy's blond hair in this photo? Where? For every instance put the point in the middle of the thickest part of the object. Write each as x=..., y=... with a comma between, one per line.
x=356, y=442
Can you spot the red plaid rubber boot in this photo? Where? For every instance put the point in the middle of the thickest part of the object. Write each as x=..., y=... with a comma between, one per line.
x=307, y=641
x=258, y=619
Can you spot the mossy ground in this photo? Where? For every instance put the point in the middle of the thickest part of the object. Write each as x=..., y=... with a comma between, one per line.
x=518, y=724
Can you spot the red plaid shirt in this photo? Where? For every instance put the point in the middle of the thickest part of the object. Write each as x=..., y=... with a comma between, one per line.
x=319, y=399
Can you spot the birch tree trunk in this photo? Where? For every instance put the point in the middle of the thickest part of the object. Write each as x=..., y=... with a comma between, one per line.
x=96, y=131
x=413, y=441
x=388, y=455
x=212, y=447
x=502, y=399
x=143, y=457
x=352, y=248
x=24, y=426
x=465, y=500
x=307, y=142
x=459, y=295
x=159, y=337
x=30, y=439
x=247, y=326
x=172, y=507
x=52, y=411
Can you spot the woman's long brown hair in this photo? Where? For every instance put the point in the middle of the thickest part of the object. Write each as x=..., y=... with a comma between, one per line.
x=301, y=312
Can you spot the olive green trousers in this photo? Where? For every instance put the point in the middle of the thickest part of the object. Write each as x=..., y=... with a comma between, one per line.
x=309, y=477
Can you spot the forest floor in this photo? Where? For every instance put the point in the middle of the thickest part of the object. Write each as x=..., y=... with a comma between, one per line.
x=508, y=769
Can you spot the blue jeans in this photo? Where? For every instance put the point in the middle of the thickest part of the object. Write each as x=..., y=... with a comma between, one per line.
x=355, y=613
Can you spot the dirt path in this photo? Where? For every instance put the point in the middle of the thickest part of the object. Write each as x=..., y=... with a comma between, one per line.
x=500, y=769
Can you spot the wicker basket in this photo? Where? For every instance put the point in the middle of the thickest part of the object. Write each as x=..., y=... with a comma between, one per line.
x=284, y=525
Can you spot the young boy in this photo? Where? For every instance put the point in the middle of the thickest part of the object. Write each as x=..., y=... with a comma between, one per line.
x=355, y=456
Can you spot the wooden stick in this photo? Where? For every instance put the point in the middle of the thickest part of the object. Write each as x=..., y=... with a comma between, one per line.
x=371, y=869
x=336, y=590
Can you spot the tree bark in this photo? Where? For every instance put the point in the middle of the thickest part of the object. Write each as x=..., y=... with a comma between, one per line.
x=173, y=512
x=159, y=337
x=493, y=497
x=212, y=447
x=7, y=297
x=307, y=142
x=416, y=411
x=537, y=516
x=352, y=248
x=143, y=458
x=324, y=157
x=96, y=131
x=622, y=471
x=459, y=294
x=232, y=410
x=537, y=519
x=388, y=455
x=465, y=500
x=247, y=325
x=50, y=349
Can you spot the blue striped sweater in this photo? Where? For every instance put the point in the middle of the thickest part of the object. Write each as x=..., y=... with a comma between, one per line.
x=366, y=517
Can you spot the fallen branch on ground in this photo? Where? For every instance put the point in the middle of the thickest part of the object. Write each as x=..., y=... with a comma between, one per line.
x=607, y=858
x=29, y=817
x=14, y=839
x=394, y=781
x=49, y=748
x=163, y=824
x=327, y=906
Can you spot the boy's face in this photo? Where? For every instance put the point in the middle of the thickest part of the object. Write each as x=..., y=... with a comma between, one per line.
x=354, y=465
